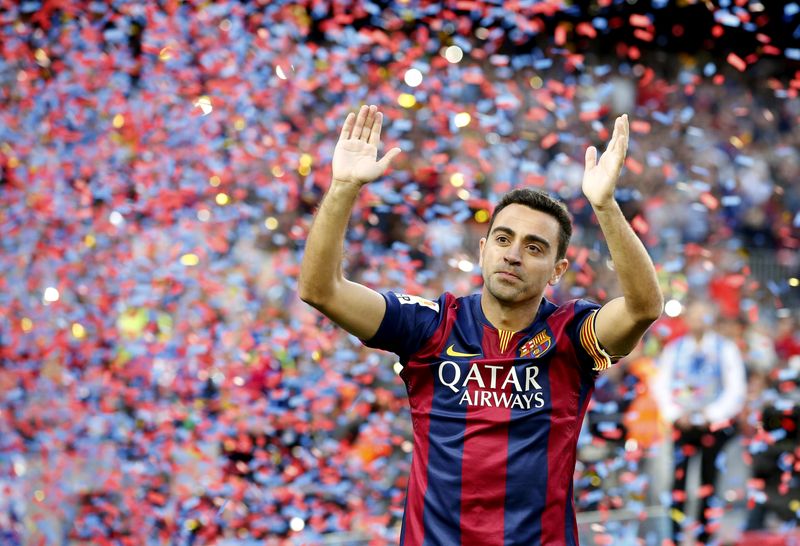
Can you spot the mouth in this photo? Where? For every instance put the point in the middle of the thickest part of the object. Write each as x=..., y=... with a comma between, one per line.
x=508, y=275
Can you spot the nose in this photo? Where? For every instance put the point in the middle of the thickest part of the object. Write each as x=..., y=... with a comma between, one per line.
x=512, y=256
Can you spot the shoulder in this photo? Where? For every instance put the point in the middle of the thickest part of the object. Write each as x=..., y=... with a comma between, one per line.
x=577, y=309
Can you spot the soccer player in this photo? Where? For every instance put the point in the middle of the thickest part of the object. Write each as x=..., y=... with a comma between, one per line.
x=498, y=381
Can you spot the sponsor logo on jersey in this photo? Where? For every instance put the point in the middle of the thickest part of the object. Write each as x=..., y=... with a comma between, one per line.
x=493, y=385
x=405, y=299
x=538, y=345
x=451, y=351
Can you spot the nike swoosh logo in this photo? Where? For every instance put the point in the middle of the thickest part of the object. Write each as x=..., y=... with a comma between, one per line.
x=452, y=352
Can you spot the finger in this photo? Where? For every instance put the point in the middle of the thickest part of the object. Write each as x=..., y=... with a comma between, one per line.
x=368, y=123
x=620, y=135
x=614, y=136
x=349, y=121
x=360, y=119
x=625, y=133
x=591, y=158
x=387, y=159
x=375, y=134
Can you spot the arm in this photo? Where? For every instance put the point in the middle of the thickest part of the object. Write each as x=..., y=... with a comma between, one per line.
x=621, y=322
x=322, y=284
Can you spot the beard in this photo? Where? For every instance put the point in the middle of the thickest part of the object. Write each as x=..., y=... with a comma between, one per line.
x=505, y=291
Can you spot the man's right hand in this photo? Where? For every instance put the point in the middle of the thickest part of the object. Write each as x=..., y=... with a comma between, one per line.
x=355, y=156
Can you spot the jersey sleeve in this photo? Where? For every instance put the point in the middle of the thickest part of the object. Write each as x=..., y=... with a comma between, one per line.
x=591, y=355
x=408, y=323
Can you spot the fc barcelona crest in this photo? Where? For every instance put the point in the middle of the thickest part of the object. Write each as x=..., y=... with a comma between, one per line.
x=537, y=345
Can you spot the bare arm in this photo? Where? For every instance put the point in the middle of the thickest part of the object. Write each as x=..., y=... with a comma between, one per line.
x=356, y=308
x=621, y=322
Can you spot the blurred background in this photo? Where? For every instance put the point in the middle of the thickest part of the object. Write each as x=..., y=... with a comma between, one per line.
x=160, y=162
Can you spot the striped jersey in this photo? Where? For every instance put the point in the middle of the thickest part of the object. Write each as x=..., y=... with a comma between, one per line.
x=496, y=416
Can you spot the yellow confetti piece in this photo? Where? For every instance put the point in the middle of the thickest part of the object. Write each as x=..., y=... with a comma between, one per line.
x=406, y=100
x=78, y=331
x=677, y=515
x=190, y=259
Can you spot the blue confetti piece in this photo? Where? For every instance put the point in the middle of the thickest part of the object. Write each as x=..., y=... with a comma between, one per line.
x=778, y=435
x=731, y=201
x=30, y=7
x=664, y=118
x=600, y=23
x=724, y=17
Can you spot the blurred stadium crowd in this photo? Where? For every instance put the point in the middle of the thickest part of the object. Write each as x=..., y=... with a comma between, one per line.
x=160, y=382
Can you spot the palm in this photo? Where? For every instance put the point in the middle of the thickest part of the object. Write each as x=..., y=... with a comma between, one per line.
x=600, y=177
x=355, y=158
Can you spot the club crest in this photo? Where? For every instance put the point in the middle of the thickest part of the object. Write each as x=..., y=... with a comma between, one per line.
x=538, y=345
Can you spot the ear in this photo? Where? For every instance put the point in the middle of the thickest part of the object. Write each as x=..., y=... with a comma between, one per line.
x=558, y=271
x=481, y=244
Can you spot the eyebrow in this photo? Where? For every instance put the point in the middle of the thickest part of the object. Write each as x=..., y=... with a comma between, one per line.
x=530, y=237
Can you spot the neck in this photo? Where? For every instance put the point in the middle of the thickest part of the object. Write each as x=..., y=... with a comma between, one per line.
x=509, y=317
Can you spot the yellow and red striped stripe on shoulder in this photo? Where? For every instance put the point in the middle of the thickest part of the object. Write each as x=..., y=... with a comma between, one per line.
x=602, y=360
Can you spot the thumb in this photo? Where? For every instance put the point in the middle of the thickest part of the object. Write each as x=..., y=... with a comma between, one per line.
x=591, y=158
x=386, y=160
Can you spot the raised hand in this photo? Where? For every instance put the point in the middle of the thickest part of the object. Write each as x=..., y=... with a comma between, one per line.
x=355, y=158
x=600, y=179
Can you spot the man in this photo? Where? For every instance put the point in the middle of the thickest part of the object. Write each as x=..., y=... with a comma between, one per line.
x=700, y=389
x=498, y=382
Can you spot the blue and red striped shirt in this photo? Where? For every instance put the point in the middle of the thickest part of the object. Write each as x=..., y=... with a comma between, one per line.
x=496, y=416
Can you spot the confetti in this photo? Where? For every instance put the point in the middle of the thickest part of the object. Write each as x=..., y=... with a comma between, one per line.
x=159, y=169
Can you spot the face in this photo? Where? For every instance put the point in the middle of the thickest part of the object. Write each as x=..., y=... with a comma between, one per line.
x=518, y=258
x=699, y=318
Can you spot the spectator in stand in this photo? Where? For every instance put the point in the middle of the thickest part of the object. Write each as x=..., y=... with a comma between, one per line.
x=700, y=389
x=787, y=339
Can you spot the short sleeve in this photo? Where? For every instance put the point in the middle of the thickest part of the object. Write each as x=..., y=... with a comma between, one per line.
x=590, y=353
x=408, y=323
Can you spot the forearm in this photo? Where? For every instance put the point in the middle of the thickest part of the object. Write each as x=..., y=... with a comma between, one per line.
x=633, y=266
x=321, y=268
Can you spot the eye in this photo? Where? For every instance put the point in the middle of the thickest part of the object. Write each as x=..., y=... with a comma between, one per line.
x=535, y=249
x=501, y=239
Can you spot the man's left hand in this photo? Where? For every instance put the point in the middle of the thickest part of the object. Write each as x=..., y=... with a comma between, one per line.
x=600, y=178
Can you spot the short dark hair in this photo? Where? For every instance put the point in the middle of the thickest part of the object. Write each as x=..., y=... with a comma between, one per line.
x=543, y=202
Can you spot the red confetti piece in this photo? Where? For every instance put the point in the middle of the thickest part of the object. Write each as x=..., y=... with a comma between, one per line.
x=737, y=62
x=560, y=37
x=705, y=491
x=709, y=201
x=638, y=20
x=633, y=165
x=640, y=225
x=586, y=29
x=549, y=140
